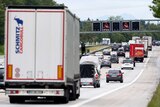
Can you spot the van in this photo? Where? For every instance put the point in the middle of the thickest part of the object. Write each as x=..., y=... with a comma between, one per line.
x=90, y=71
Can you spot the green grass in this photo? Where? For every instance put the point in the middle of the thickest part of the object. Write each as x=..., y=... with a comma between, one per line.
x=155, y=101
x=94, y=48
x=1, y=49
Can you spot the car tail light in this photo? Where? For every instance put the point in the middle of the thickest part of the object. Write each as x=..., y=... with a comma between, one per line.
x=108, y=75
x=90, y=83
x=119, y=74
x=96, y=76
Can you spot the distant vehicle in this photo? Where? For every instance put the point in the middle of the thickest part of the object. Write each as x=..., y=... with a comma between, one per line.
x=99, y=55
x=106, y=63
x=126, y=48
x=106, y=52
x=131, y=42
x=107, y=57
x=114, y=58
x=149, y=38
x=2, y=73
x=137, y=52
x=135, y=37
x=114, y=75
x=90, y=72
x=1, y=78
x=128, y=63
x=115, y=47
x=121, y=52
x=157, y=43
x=145, y=42
x=106, y=41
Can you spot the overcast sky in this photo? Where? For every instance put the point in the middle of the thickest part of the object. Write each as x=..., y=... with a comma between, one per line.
x=102, y=9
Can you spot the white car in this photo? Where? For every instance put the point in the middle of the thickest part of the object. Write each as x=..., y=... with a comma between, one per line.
x=128, y=64
x=99, y=55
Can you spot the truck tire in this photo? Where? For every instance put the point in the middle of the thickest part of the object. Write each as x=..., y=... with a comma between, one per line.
x=98, y=85
x=72, y=93
x=12, y=99
x=65, y=99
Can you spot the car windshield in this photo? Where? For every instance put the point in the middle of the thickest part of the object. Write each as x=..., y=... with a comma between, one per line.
x=127, y=61
x=87, y=71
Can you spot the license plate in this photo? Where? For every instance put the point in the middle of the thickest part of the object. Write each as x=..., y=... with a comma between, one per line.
x=114, y=75
x=35, y=92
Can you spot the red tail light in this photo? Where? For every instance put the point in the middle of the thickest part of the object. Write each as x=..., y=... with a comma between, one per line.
x=108, y=75
x=119, y=74
x=96, y=76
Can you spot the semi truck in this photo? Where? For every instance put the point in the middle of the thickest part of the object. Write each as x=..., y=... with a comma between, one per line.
x=42, y=54
x=106, y=41
x=137, y=52
x=145, y=42
x=149, y=38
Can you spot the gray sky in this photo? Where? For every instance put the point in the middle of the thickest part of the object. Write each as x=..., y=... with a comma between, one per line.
x=102, y=9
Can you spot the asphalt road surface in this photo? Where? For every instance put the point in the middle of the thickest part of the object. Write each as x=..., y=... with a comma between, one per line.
x=136, y=91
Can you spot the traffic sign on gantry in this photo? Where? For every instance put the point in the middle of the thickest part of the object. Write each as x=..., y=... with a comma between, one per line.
x=106, y=26
x=126, y=26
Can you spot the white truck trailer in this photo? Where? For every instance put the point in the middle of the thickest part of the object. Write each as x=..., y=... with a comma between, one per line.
x=149, y=38
x=42, y=54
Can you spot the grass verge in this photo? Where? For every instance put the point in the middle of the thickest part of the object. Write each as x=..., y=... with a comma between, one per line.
x=155, y=101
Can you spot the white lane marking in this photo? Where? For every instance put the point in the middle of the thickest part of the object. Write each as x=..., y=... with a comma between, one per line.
x=114, y=90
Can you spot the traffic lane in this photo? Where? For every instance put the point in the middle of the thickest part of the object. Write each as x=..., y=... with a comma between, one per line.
x=136, y=95
x=86, y=92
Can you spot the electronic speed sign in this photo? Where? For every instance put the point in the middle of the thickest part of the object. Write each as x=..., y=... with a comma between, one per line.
x=105, y=26
x=125, y=26
x=96, y=26
x=116, y=26
x=135, y=25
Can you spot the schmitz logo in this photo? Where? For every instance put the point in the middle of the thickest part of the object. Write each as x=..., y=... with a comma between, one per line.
x=19, y=36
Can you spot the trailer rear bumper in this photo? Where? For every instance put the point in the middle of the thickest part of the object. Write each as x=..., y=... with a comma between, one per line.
x=34, y=92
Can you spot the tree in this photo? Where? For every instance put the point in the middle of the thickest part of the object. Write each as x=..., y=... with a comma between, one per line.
x=156, y=8
x=4, y=3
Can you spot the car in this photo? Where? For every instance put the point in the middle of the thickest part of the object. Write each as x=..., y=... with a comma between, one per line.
x=1, y=78
x=114, y=58
x=114, y=75
x=99, y=55
x=106, y=52
x=115, y=47
x=126, y=48
x=90, y=75
x=106, y=63
x=128, y=63
x=121, y=52
x=90, y=71
x=2, y=73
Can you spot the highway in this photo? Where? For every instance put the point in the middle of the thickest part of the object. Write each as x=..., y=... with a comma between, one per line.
x=136, y=91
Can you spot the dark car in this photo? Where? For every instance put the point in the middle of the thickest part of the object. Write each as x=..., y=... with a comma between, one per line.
x=1, y=78
x=126, y=48
x=121, y=52
x=106, y=63
x=114, y=58
x=114, y=75
x=115, y=47
x=106, y=52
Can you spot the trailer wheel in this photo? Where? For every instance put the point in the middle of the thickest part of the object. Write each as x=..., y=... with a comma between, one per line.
x=65, y=99
x=13, y=99
x=72, y=93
